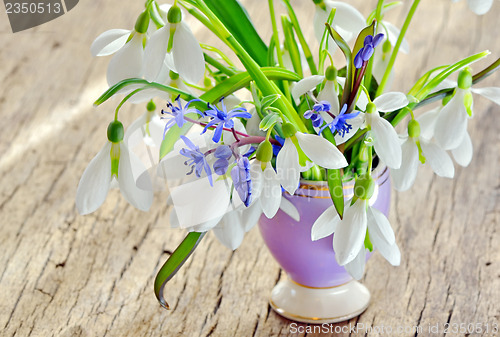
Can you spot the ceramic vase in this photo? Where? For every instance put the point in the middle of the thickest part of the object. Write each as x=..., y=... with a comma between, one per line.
x=316, y=289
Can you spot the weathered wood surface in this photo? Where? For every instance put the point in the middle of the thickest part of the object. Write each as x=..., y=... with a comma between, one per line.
x=62, y=274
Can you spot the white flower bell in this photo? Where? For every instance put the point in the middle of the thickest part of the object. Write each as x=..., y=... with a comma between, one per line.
x=114, y=161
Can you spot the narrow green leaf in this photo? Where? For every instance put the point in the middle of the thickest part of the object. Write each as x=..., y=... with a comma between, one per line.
x=174, y=263
x=349, y=61
x=236, y=19
x=336, y=189
x=269, y=121
x=291, y=45
x=385, y=8
x=268, y=100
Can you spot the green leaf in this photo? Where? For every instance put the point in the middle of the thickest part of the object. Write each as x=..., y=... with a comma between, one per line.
x=336, y=189
x=269, y=121
x=385, y=8
x=291, y=45
x=174, y=263
x=349, y=61
x=268, y=100
x=236, y=19
x=172, y=136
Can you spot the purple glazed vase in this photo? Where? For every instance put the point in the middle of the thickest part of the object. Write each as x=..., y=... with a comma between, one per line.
x=312, y=263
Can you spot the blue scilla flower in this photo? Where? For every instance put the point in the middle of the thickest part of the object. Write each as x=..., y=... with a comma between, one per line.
x=223, y=153
x=339, y=123
x=242, y=180
x=222, y=118
x=315, y=118
x=366, y=52
x=322, y=106
x=175, y=114
x=197, y=159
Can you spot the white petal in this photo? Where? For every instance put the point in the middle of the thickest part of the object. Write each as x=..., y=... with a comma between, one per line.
x=463, y=153
x=490, y=93
x=356, y=268
x=348, y=20
x=230, y=231
x=326, y=224
x=379, y=225
x=288, y=167
x=109, y=42
x=390, y=252
x=391, y=101
x=386, y=142
x=480, y=7
x=129, y=168
x=289, y=209
x=451, y=123
x=404, y=177
x=271, y=192
x=305, y=85
x=188, y=55
x=439, y=160
x=94, y=184
x=251, y=216
x=393, y=34
x=127, y=62
x=350, y=234
x=154, y=54
x=321, y=151
x=329, y=94
x=427, y=123
x=356, y=123
x=197, y=202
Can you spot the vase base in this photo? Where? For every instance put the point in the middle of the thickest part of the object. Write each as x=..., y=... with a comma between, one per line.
x=319, y=305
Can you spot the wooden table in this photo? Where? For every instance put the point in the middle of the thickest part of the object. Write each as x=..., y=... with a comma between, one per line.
x=62, y=274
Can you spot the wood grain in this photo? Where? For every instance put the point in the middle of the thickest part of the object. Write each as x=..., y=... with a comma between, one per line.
x=62, y=274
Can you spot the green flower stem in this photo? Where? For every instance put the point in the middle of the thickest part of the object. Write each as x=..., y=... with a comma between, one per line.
x=124, y=100
x=302, y=40
x=213, y=62
x=395, y=51
x=277, y=45
x=265, y=85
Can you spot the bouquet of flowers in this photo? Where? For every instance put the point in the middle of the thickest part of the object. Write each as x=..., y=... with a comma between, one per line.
x=230, y=140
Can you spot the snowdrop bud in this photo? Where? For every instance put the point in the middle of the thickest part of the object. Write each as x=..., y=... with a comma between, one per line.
x=371, y=108
x=413, y=129
x=465, y=78
x=331, y=73
x=289, y=130
x=115, y=132
x=174, y=14
x=142, y=23
x=151, y=106
x=265, y=151
x=364, y=187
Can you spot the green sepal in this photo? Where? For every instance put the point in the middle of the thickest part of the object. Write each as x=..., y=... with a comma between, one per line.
x=174, y=263
x=336, y=189
x=142, y=23
x=115, y=131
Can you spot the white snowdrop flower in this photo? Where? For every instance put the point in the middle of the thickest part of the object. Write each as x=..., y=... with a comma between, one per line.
x=314, y=149
x=349, y=233
x=113, y=162
x=385, y=139
x=415, y=149
x=174, y=46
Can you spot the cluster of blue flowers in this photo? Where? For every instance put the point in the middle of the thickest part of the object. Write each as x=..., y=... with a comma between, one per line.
x=366, y=52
